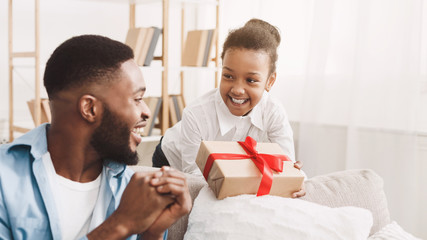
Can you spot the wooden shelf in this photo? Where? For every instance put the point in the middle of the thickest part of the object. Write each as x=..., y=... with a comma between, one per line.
x=20, y=129
x=32, y=54
x=23, y=54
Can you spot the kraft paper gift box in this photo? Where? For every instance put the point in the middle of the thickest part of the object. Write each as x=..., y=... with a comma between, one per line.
x=241, y=176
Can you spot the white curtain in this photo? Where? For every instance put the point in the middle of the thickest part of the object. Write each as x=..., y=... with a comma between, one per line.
x=361, y=97
x=352, y=76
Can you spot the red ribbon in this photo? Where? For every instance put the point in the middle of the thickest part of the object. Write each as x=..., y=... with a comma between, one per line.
x=264, y=162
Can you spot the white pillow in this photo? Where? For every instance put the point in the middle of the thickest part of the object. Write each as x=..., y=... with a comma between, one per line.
x=272, y=217
x=392, y=231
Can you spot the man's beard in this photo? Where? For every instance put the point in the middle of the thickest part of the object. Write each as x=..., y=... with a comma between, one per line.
x=111, y=140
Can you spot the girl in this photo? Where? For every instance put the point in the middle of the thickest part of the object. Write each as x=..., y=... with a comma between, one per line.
x=240, y=107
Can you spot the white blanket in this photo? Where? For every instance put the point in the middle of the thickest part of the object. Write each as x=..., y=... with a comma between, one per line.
x=272, y=217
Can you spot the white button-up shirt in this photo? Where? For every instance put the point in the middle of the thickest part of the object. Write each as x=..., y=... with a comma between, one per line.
x=208, y=119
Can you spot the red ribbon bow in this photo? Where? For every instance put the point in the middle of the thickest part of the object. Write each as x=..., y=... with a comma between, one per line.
x=264, y=162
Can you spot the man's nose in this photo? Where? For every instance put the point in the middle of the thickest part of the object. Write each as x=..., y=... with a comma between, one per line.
x=145, y=113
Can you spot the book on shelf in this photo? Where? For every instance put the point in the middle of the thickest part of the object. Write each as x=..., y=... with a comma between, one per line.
x=148, y=34
x=176, y=107
x=198, y=47
x=44, y=108
x=153, y=43
x=134, y=40
x=143, y=42
x=154, y=104
x=172, y=111
x=177, y=104
x=194, y=48
x=181, y=103
x=208, y=48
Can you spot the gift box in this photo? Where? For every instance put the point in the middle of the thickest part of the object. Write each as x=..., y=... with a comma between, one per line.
x=234, y=168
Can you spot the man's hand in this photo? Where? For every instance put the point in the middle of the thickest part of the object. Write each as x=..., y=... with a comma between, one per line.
x=301, y=192
x=172, y=183
x=139, y=207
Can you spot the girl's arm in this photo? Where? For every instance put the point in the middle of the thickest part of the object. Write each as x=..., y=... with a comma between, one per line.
x=280, y=131
x=191, y=138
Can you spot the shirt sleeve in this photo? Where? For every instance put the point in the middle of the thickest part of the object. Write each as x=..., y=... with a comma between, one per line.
x=190, y=143
x=280, y=131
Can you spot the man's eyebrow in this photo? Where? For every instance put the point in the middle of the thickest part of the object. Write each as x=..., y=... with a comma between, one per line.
x=141, y=89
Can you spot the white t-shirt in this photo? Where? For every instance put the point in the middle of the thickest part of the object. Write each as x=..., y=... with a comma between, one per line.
x=208, y=119
x=75, y=201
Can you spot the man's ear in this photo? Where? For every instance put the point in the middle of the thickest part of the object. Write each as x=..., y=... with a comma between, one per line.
x=90, y=108
x=270, y=81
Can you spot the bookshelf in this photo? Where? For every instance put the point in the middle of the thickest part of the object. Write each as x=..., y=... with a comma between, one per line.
x=164, y=122
x=164, y=116
x=215, y=41
x=37, y=110
x=169, y=114
x=215, y=45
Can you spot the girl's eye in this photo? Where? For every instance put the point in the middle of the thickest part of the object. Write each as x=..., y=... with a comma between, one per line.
x=251, y=80
x=138, y=100
x=227, y=76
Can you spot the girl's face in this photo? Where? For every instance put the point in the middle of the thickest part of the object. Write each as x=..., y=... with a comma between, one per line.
x=245, y=75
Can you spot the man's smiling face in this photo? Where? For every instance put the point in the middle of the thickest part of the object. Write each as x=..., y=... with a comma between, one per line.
x=124, y=116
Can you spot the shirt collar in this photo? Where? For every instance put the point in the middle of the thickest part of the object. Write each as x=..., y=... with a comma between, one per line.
x=227, y=120
x=256, y=114
x=114, y=169
x=36, y=139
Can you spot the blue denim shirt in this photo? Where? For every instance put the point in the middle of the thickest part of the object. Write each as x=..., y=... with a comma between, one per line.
x=27, y=206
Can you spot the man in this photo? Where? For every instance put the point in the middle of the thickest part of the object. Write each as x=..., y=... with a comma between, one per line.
x=68, y=179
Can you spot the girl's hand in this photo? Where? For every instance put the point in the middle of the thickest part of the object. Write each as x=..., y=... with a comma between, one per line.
x=301, y=192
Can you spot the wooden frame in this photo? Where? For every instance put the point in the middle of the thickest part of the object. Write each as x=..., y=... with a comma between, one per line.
x=36, y=55
x=217, y=46
x=165, y=93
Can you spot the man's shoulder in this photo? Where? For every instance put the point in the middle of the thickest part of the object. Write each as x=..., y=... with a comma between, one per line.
x=36, y=138
x=13, y=152
x=15, y=167
x=127, y=174
x=21, y=150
